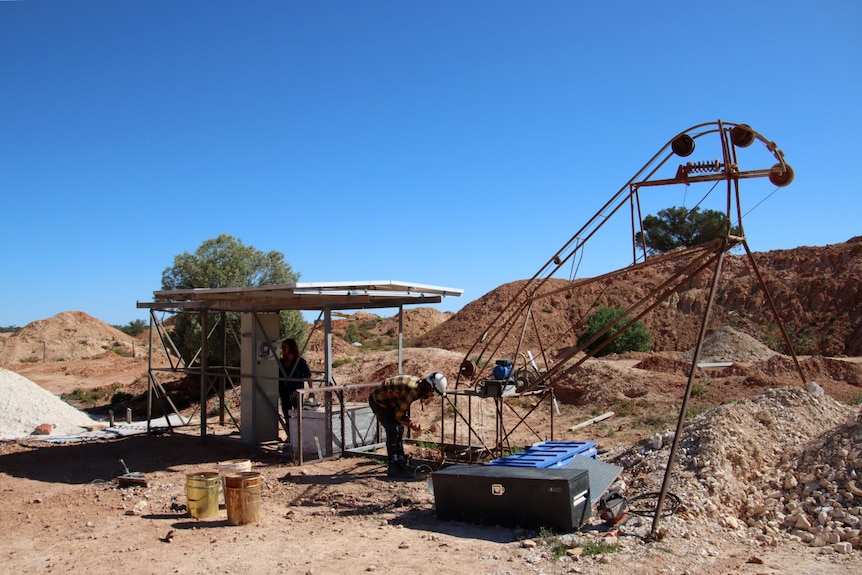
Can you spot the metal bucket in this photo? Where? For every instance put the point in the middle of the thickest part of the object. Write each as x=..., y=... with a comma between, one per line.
x=202, y=494
x=232, y=467
x=242, y=497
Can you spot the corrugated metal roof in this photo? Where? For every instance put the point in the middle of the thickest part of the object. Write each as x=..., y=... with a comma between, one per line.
x=302, y=296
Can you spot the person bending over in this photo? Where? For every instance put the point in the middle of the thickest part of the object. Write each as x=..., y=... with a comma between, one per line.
x=390, y=401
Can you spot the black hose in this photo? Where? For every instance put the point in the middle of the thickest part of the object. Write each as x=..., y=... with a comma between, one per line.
x=671, y=504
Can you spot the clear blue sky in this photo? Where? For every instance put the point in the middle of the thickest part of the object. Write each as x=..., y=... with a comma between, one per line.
x=450, y=143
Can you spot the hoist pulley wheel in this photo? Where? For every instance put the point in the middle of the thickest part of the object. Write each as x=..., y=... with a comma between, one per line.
x=525, y=380
x=742, y=136
x=682, y=145
x=781, y=175
x=468, y=368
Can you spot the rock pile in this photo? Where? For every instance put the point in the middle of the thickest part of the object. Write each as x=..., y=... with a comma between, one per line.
x=27, y=409
x=820, y=498
x=784, y=464
x=727, y=344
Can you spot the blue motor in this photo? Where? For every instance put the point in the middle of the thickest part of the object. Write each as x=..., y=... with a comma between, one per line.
x=502, y=369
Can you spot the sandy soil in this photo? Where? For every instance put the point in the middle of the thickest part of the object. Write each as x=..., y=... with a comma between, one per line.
x=64, y=508
x=339, y=516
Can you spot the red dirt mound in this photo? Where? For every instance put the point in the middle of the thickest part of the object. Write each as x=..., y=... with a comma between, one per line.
x=815, y=290
x=66, y=336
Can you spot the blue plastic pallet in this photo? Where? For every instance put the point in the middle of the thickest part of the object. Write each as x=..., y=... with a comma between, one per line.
x=549, y=454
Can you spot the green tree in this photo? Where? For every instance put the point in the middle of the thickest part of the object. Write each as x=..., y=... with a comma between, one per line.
x=134, y=327
x=635, y=338
x=226, y=262
x=680, y=227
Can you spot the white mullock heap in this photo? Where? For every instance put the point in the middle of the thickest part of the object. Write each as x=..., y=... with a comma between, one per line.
x=24, y=406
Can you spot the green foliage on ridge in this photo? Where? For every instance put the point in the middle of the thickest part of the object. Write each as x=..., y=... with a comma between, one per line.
x=634, y=338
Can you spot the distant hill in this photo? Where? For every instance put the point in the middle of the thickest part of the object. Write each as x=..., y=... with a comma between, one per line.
x=373, y=331
x=817, y=292
x=66, y=336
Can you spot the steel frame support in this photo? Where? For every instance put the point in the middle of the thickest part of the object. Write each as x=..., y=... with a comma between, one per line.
x=510, y=323
x=220, y=379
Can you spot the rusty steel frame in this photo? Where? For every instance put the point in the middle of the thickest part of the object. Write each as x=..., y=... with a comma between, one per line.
x=502, y=433
x=517, y=316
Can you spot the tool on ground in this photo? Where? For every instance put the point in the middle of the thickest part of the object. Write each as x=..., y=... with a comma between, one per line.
x=131, y=477
x=613, y=508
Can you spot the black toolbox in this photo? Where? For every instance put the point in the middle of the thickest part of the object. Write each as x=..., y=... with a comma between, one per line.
x=532, y=498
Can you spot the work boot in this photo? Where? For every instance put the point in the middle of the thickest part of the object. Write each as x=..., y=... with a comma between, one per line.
x=395, y=472
x=398, y=468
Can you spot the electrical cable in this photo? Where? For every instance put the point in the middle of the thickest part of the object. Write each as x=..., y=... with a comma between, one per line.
x=671, y=504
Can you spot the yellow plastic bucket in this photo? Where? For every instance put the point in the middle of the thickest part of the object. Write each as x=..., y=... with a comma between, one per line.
x=202, y=494
x=242, y=497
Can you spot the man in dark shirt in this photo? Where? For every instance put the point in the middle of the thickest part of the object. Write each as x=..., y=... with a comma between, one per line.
x=294, y=374
x=390, y=401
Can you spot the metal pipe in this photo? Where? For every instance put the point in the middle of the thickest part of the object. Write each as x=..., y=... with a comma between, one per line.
x=223, y=359
x=204, y=316
x=327, y=396
x=400, y=337
x=681, y=419
x=774, y=312
x=150, y=372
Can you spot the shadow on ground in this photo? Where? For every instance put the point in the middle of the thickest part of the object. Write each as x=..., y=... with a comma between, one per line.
x=101, y=461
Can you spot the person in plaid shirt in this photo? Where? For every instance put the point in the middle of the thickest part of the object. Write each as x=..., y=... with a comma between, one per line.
x=390, y=401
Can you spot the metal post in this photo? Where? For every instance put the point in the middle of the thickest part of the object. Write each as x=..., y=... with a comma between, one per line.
x=400, y=336
x=771, y=302
x=150, y=371
x=681, y=419
x=204, y=349
x=327, y=395
x=221, y=387
x=298, y=452
x=343, y=421
x=327, y=346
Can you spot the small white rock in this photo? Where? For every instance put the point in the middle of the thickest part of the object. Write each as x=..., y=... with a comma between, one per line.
x=813, y=389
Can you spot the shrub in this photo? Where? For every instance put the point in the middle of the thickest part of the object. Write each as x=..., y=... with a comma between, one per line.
x=120, y=397
x=635, y=337
x=550, y=540
x=134, y=327
x=84, y=395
